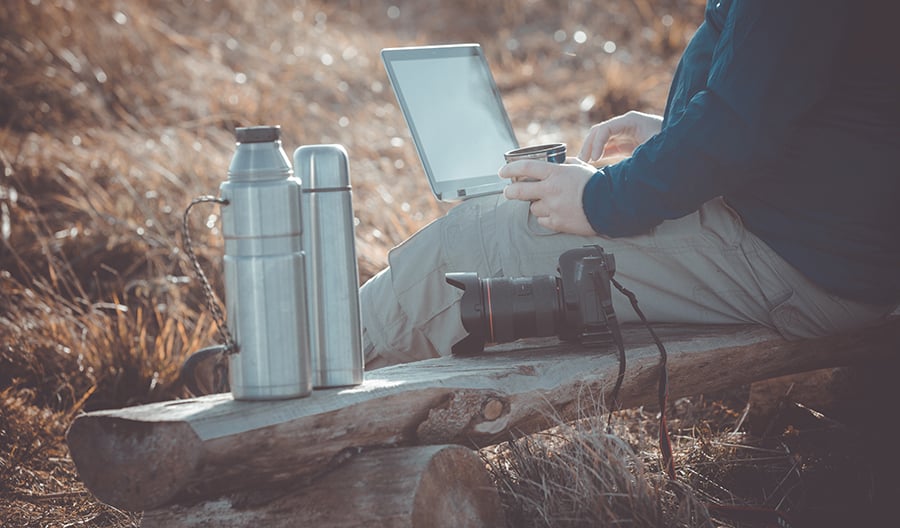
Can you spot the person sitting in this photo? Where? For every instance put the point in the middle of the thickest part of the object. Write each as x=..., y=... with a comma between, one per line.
x=767, y=193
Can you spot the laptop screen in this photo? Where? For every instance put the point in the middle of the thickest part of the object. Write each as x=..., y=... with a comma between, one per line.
x=455, y=114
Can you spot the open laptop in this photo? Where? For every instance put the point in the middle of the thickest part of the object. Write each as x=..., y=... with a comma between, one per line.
x=454, y=112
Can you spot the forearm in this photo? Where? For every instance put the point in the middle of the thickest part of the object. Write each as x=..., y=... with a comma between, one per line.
x=703, y=154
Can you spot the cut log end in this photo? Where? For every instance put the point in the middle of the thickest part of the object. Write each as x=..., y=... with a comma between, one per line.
x=121, y=460
x=417, y=487
x=456, y=490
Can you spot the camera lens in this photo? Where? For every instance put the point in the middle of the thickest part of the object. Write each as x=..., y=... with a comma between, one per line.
x=520, y=307
x=576, y=306
x=499, y=310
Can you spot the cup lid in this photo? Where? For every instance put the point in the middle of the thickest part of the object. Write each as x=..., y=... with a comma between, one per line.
x=257, y=134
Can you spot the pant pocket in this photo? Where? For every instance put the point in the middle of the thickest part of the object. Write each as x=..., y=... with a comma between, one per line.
x=817, y=314
x=789, y=319
x=722, y=223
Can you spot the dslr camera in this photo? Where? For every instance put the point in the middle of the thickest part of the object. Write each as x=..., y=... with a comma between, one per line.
x=575, y=306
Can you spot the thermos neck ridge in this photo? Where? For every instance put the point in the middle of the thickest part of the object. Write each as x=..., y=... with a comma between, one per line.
x=259, y=155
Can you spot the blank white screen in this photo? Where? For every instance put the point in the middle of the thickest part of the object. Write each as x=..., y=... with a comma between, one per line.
x=460, y=123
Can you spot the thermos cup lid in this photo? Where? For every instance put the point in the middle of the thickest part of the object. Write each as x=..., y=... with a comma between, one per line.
x=257, y=134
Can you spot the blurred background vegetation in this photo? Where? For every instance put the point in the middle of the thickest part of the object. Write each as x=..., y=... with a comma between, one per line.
x=114, y=114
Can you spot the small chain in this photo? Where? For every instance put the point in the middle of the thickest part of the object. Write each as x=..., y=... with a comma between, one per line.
x=211, y=302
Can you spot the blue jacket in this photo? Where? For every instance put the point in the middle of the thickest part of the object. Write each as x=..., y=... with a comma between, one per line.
x=790, y=110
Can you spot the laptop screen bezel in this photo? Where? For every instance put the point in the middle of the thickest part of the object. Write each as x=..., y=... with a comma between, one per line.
x=455, y=189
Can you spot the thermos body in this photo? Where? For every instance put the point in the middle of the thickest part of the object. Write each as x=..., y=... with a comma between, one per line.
x=265, y=282
x=329, y=244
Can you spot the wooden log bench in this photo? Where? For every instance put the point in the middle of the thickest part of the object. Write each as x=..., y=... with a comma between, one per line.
x=386, y=453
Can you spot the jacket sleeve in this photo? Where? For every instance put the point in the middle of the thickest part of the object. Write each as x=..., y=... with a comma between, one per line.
x=770, y=66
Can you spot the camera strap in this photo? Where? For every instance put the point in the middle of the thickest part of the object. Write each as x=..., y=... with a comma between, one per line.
x=736, y=512
x=665, y=442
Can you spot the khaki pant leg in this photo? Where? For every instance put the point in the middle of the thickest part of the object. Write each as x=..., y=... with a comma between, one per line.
x=702, y=268
x=409, y=312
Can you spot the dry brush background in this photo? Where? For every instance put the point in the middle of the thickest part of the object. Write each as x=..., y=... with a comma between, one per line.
x=115, y=113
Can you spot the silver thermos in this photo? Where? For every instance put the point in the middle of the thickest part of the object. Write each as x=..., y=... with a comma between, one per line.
x=329, y=243
x=265, y=284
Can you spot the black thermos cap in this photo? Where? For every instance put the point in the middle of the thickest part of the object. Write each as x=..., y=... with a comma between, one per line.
x=257, y=134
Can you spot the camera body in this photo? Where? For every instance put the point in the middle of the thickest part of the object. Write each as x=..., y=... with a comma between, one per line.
x=575, y=306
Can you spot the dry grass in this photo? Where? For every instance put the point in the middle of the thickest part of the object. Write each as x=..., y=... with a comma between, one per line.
x=114, y=115
x=581, y=474
x=834, y=470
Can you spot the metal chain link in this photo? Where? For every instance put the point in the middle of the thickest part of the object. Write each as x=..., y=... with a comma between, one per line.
x=211, y=301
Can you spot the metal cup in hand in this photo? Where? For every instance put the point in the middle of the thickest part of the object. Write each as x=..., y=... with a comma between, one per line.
x=550, y=152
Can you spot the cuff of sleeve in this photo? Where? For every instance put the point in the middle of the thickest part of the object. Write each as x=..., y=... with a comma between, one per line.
x=610, y=207
x=597, y=201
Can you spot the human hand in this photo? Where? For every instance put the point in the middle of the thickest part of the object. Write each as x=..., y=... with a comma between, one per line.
x=554, y=192
x=619, y=136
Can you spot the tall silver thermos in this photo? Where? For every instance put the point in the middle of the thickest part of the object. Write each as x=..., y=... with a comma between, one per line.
x=329, y=243
x=265, y=283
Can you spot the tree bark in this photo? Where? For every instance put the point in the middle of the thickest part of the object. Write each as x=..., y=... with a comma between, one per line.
x=442, y=486
x=149, y=456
